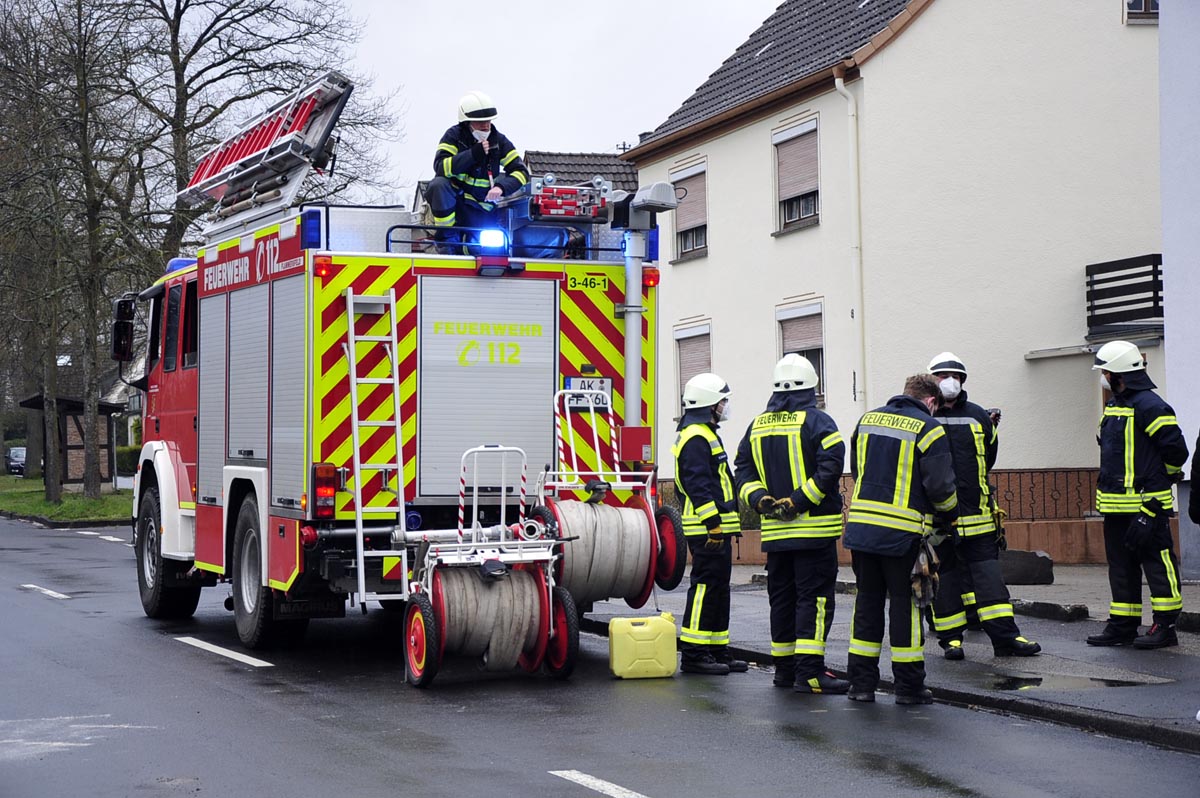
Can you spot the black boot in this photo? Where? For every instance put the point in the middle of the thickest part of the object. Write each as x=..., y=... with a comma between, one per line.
x=1161, y=635
x=784, y=677
x=923, y=696
x=1017, y=647
x=863, y=695
x=954, y=650
x=705, y=664
x=824, y=683
x=734, y=665
x=1112, y=636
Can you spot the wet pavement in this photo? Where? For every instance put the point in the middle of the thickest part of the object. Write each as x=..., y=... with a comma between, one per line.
x=1152, y=696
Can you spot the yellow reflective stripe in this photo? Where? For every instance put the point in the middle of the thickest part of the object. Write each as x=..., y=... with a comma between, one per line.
x=749, y=488
x=951, y=622
x=968, y=599
x=443, y=221
x=1164, y=604
x=908, y=654
x=450, y=148
x=914, y=625
x=1172, y=579
x=507, y=159
x=1160, y=422
x=446, y=167
x=1130, y=502
x=865, y=648
x=520, y=176
x=782, y=649
x=706, y=510
x=1173, y=469
x=812, y=647
x=1120, y=610
x=946, y=505
x=885, y=521
x=1119, y=411
x=929, y=437
x=812, y=492
x=821, y=622
x=883, y=508
x=904, y=475
x=831, y=440
x=994, y=611
x=1128, y=455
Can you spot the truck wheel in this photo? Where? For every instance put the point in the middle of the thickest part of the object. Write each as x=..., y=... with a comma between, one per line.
x=158, y=600
x=672, y=548
x=252, y=602
x=563, y=648
x=422, y=644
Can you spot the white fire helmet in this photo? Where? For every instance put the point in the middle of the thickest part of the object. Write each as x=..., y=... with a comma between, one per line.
x=1119, y=357
x=794, y=373
x=475, y=106
x=704, y=390
x=947, y=361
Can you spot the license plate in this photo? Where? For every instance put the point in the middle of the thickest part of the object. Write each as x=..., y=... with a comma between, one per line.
x=584, y=401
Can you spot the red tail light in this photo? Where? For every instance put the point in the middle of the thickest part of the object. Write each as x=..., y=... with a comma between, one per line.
x=325, y=490
x=322, y=265
x=650, y=276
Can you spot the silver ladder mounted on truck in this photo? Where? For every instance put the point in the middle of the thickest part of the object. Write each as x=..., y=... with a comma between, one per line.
x=377, y=307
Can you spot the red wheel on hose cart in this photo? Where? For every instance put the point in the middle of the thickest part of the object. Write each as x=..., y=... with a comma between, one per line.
x=639, y=601
x=421, y=644
x=672, y=548
x=548, y=513
x=530, y=661
x=438, y=599
x=563, y=648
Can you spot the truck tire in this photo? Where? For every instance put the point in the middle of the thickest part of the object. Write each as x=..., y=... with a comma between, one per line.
x=158, y=600
x=253, y=604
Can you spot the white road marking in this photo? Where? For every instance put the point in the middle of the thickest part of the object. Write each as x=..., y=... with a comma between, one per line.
x=114, y=540
x=599, y=785
x=47, y=591
x=85, y=532
x=224, y=652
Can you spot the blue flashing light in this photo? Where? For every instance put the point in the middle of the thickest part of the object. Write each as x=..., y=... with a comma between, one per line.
x=310, y=229
x=176, y=264
x=492, y=239
x=652, y=245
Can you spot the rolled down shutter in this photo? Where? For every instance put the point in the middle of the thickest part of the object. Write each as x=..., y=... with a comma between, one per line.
x=796, y=163
x=693, y=209
x=694, y=357
x=802, y=333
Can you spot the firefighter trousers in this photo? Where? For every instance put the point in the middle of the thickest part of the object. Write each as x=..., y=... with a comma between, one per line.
x=971, y=567
x=706, y=618
x=800, y=586
x=886, y=580
x=1125, y=566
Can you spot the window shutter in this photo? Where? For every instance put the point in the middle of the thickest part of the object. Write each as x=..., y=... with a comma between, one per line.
x=796, y=165
x=693, y=210
x=802, y=333
x=694, y=357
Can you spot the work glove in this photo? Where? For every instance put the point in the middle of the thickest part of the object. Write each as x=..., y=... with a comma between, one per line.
x=945, y=527
x=998, y=515
x=715, y=539
x=765, y=505
x=1140, y=533
x=785, y=509
x=924, y=575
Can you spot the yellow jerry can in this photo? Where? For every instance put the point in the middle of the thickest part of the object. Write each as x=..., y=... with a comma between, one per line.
x=642, y=648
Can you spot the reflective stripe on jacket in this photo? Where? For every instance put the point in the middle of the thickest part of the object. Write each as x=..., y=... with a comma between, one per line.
x=973, y=443
x=794, y=450
x=903, y=474
x=702, y=478
x=1141, y=452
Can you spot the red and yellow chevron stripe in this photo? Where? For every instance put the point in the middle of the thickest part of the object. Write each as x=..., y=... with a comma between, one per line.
x=368, y=275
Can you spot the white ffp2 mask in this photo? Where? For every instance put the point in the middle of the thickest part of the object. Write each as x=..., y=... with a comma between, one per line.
x=951, y=388
x=481, y=135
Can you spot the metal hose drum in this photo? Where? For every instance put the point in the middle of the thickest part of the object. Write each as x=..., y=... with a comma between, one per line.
x=610, y=557
x=495, y=619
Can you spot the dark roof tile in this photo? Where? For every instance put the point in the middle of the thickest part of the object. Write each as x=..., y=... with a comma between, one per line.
x=576, y=168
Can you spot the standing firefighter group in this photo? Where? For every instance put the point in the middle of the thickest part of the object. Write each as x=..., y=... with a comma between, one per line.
x=923, y=528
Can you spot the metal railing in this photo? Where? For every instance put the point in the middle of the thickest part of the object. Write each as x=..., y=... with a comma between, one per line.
x=1064, y=494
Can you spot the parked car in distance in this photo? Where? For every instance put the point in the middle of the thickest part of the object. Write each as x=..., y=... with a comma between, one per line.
x=15, y=460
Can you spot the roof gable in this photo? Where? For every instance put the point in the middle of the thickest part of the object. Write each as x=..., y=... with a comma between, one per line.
x=577, y=168
x=802, y=38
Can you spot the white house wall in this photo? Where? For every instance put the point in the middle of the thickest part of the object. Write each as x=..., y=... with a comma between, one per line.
x=979, y=215
x=978, y=219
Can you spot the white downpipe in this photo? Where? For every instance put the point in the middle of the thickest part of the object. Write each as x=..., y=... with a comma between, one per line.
x=856, y=269
x=635, y=253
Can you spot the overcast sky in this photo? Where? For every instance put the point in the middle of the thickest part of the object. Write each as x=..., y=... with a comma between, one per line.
x=566, y=75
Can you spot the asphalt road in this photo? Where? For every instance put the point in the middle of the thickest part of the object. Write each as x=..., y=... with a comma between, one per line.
x=97, y=700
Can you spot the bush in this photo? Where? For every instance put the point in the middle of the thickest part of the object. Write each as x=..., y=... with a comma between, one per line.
x=127, y=460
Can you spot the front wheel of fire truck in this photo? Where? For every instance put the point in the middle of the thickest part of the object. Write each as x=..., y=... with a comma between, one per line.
x=158, y=600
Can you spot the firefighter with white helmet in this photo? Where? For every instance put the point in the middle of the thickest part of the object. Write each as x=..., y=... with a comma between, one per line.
x=1142, y=452
x=710, y=519
x=970, y=573
x=789, y=468
x=474, y=167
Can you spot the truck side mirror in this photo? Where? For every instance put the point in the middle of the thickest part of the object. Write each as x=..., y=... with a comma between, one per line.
x=122, y=341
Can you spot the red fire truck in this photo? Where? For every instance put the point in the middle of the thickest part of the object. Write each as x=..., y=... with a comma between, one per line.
x=316, y=372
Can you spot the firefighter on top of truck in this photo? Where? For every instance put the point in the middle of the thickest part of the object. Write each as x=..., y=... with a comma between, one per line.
x=475, y=166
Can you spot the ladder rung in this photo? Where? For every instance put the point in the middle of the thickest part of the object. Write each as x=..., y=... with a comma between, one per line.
x=383, y=339
x=377, y=467
x=377, y=423
x=374, y=380
x=370, y=299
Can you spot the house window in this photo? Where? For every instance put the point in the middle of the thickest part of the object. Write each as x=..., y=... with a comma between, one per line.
x=796, y=176
x=1141, y=12
x=693, y=354
x=801, y=331
x=691, y=217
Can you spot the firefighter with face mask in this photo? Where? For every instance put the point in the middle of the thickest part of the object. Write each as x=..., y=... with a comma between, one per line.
x=710, y=519
x=970, y=568
x=474, y=167
x=903, y=490
x=1142, y=453
x=789, y=465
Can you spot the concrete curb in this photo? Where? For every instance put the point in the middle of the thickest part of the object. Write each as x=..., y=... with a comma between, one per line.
x=52, y=524
x=1161, y=733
